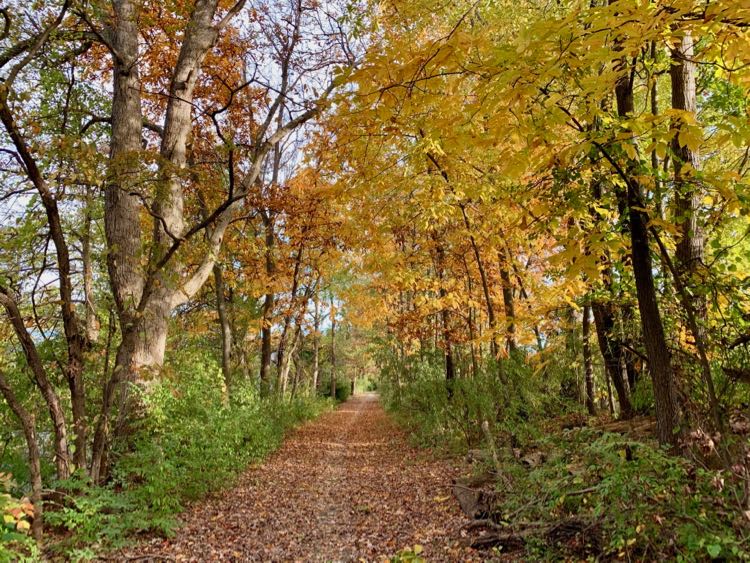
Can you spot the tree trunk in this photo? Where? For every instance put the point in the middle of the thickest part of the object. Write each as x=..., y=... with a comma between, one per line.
x=297, y=369
x=120, y=371
x=92, y=320
x=122, y=221
x=226, y=330
x=57, y=415
x=587, y=360
x=604, y=321
x=333, y=350
x=316, y=344
x=485, y=287
x=268, y=304
x=610, y=402
x=285, y=368
x=265, y=345
x=571, y=349
x=450, y=369
x=281, y=360
x=28, y=425
x=470, y=322
x=657, y=351
x=510, y=309
x=687, y=193
x=147, y=298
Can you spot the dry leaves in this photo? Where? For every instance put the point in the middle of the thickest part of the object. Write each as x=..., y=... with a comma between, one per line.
x=346, y=487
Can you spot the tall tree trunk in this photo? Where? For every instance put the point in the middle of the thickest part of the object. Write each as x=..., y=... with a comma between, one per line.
x=610, y=402
x=627, y=314
x=57, y=415
x=28, y=425
x=485, y=287
x=606, y=314
x=611, y=349
x=120, y=372
x=450, y=369
x=657, y=351
x=316, y=344
x=122, y=208
x=588, y=364
x=77, y=389
x=571, y=350
x=524, y=295
x=92, y=320
x=226, y=329
x=268, y=304
x=265, y=345
x=281, y=359
x=297, y=368
x=333, y=350
x=688, y=193
x=287, y=363
x=682, y=71
x=470, y=322
x=146, y=297
x=508, y=303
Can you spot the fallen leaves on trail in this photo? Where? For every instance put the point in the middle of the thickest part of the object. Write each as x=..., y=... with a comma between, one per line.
x=346, y=487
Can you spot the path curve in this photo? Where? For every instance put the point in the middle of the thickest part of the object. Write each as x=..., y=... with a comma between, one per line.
x=345, y=487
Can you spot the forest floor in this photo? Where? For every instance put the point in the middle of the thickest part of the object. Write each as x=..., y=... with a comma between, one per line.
x=345, y=487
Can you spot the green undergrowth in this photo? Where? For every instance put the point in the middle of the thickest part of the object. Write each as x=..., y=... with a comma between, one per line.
x=191, y=442
x=448, y=416
x=575, y=494
x=343, y=388
x=628, y=500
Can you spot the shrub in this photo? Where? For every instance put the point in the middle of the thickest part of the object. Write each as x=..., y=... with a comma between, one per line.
x=15, y=513
x=343, y=389
x=636, y=500
x=642, y=502
x=450, y=416
x=189, y=443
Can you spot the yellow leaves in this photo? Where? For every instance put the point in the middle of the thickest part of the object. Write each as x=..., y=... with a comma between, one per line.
x=432, y=147
x=630, y=151
x=690, y=137
x=664, y=226
x=15, y=512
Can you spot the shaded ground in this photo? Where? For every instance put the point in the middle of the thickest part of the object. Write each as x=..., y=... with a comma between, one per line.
x=347, y=486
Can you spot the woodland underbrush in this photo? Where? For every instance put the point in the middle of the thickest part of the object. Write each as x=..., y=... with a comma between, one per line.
x=550, y=482
x=191, y=442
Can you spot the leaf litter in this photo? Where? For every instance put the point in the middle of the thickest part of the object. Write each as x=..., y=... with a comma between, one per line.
x=345, y=487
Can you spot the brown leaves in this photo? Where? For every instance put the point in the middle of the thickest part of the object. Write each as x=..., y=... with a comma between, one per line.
x=345, y=487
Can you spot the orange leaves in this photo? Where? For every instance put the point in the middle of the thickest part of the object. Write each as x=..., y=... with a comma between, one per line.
x=16, y=514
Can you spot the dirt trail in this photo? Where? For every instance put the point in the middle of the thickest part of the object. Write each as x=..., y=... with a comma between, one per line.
x=345, y=487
